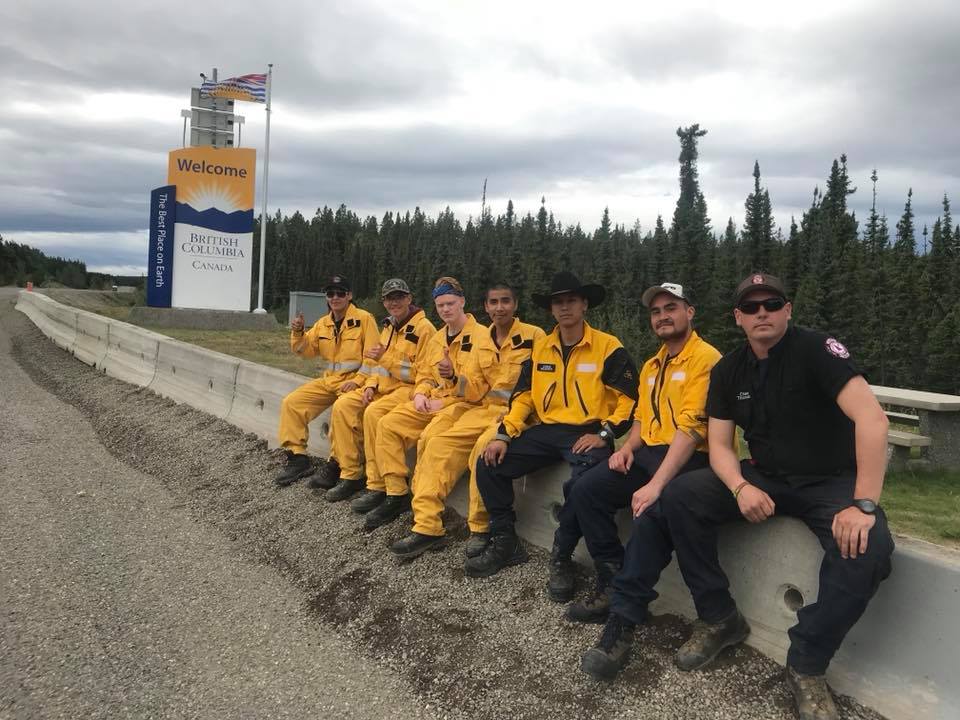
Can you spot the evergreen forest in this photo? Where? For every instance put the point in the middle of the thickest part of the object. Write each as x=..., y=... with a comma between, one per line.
x=897, y=309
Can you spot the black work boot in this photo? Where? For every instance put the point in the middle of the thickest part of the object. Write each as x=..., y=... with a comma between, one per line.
x=503, y=550
x=562, y=580
x=812, y=696
x=389, y=510
x=708, y=640
x=415, y=544
x=597, y=606
x=476, y=544
x=368, y=501
x=326, y=476
x=612, y=651
x=343, y=490
x=298, y=466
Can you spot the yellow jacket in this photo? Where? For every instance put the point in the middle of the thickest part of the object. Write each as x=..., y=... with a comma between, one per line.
x=429, y=382
x=493, y=371
x=596, y=385
x=340, y=352
x=404, y=350
x=673, y=393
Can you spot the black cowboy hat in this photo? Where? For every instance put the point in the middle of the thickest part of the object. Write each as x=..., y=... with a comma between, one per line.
x=567, y=282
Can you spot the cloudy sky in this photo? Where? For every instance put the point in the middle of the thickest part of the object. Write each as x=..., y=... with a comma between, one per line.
x=391, y=104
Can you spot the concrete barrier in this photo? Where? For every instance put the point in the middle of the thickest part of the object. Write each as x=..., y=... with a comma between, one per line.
x=27, y=304
x=256, y=405
x=93, y=332
x=132, y=354
x=58, y=322
x=201, y=378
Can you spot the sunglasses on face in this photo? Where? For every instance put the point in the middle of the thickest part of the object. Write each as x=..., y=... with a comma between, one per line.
x=336, y=293
x=395, y=297
x=752, y=307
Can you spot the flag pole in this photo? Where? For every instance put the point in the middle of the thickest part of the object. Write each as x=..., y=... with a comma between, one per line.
x=263, y=213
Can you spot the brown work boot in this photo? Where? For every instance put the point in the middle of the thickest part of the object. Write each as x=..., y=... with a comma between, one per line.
x=597, y=605
x=298, y=466
x=608, y=657
x=708, y=639
x=812, y=696
x=476, y=544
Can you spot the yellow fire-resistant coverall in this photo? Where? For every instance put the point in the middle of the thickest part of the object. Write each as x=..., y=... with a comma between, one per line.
x=592, y=386
x=673, y=393
x=442, y=457
x=341, y=359
x=392, y=380
x=399, y=429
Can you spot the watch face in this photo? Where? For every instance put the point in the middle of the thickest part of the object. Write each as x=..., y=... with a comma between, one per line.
x=867, y=506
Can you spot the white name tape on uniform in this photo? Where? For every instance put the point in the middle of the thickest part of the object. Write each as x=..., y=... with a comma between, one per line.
x=586, y=367
x=679, y=375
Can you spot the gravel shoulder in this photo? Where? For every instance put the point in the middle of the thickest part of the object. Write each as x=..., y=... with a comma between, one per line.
x=151, y=569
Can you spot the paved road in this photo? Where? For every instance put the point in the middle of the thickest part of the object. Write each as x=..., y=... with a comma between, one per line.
x=117, y=603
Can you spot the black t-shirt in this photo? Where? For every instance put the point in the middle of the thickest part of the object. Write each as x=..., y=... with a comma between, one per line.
x=787, y=404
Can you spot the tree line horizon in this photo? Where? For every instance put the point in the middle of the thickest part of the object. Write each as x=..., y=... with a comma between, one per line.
x=896, y=309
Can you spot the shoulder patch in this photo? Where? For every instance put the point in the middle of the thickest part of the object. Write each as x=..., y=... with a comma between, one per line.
x=837, y=348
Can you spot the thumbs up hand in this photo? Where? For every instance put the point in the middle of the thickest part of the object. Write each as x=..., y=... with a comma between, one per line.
x=297, y=324
x=445, y=366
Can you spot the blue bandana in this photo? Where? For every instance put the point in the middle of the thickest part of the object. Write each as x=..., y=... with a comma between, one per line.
x=445, y=289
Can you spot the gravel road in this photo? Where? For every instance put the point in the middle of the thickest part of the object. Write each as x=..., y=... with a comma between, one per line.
x=150, y=569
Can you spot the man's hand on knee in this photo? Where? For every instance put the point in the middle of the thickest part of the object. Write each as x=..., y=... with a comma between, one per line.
x=851, y=528
x=494, y=453
x=755, y=505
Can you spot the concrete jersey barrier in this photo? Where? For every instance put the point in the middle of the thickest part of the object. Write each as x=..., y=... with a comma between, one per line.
x=93, y=332
x=899, y=659
x=132, y=354
x=256, y=405
x=203, y=379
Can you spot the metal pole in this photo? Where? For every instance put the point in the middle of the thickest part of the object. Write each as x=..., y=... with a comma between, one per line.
x=263, y=212
x=184, y=132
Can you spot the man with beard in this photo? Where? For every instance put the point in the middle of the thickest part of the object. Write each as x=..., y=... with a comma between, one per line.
x=668, y=438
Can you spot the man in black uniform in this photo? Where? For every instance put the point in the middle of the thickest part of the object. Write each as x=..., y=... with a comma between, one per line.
x=818, y=437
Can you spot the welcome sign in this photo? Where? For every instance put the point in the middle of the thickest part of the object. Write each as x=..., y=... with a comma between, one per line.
x=213, y=236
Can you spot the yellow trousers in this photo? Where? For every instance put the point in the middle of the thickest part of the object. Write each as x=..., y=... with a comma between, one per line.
x=300, y=407
x=375, y=412
x=442, y=459
x=402, y=428
x=347, y=427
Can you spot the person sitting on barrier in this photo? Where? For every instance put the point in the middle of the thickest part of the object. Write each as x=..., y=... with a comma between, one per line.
x=818, y=439
x=668, y=438
x=579, y=388
x=438, y=394
x=492, y=371
x=340, y=339
x=354, y=416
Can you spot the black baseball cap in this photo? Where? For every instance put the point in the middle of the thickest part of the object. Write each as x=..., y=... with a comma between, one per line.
x=759, y=281
x=337, y=282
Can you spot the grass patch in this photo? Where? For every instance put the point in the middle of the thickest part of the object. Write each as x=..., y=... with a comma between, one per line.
x=271, y=348
x=924, y=505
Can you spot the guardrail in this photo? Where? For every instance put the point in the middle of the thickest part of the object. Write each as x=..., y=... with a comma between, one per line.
x=900, y=658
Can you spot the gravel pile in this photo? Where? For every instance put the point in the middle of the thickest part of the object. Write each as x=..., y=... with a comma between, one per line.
x=487, y=648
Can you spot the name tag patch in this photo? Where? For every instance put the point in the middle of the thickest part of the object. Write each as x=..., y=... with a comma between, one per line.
x=651, y=381
x=586, y=367
x=546, y=367
x=679, y=375
x=743, y=395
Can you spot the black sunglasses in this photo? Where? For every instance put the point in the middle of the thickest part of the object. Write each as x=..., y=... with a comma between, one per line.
x=336, y=293
x=752, y=307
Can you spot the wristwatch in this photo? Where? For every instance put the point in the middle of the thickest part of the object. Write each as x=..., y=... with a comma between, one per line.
x=606, y=435
x=865, y=506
